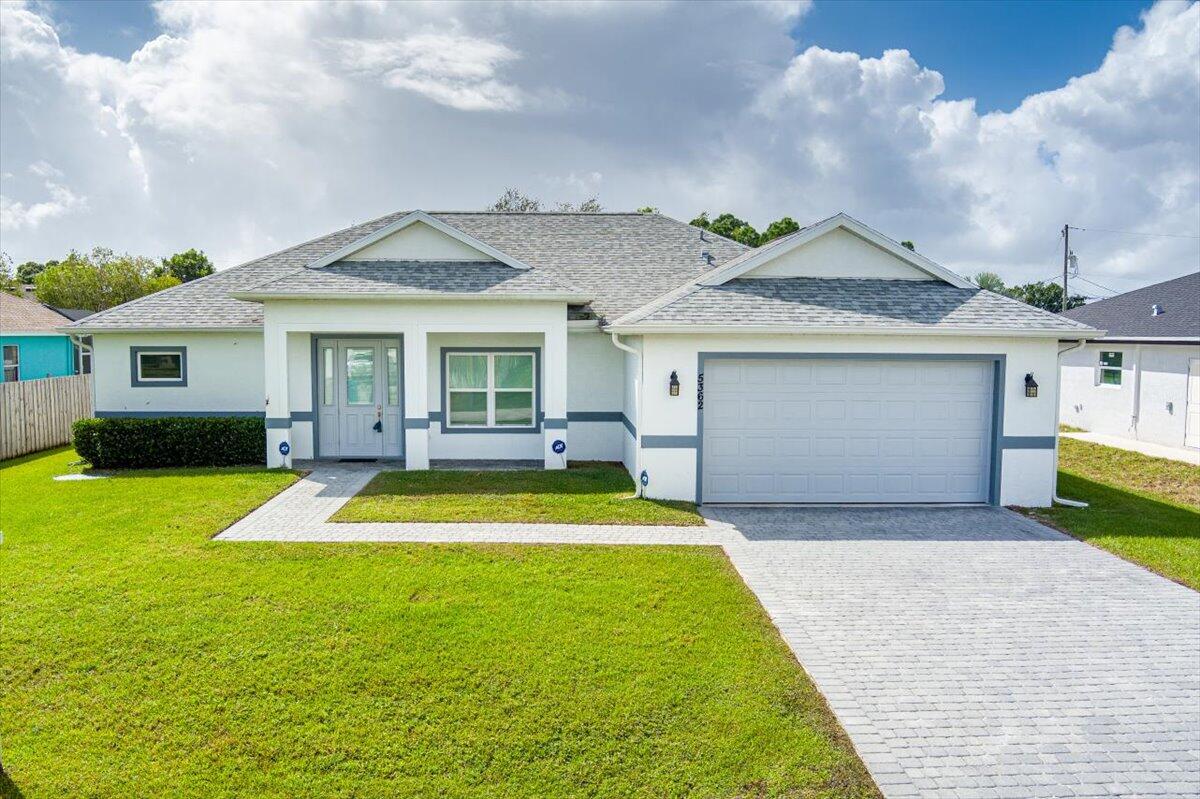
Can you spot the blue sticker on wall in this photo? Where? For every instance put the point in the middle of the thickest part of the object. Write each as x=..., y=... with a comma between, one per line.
x=284, y=448
x=645, y=477
x=559, y=446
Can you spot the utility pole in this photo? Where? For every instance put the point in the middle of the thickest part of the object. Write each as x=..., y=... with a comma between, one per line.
x=1066, y=261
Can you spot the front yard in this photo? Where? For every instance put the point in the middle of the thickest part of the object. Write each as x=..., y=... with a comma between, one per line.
x=593, y=493
x=141, y=658
x=1144, y=509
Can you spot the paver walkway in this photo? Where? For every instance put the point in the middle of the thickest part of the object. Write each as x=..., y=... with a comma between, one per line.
x=968, y=652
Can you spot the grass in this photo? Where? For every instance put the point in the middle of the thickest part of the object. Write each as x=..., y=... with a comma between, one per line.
x=597, y=493
x=141, y=658
x=1143, y=509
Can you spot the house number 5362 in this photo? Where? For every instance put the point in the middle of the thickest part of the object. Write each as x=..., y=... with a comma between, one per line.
x=700, y=391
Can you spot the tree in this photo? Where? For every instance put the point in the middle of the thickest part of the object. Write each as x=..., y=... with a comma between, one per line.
x=100, y=280
x=27, y=271
x=517, y=201
x=186, y=266
x=647, y=209
x=990, y=281
x=9, y=284
x=589, y=206
x=1047, y=296
x=780, y=227
x=701, y=221
x=907, y=243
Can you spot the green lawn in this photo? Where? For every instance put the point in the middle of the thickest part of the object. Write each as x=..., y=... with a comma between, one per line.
x=597, y=493
x=140, y=658
x=1144, y=509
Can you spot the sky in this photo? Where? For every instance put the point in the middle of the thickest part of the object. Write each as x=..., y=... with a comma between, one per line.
x=975, y=129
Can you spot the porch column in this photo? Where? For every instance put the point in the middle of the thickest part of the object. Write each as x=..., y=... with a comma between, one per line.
x=555, y=392
x=279, y=417
x=416, y=399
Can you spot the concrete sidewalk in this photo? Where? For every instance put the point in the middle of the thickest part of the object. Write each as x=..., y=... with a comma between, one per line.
x=1183, y=454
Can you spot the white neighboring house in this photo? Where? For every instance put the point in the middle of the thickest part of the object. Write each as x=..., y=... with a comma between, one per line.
x=1142, y=380
x=831, y=365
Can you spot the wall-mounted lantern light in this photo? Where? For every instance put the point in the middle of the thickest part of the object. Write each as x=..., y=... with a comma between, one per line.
x=1030, y=385
x=674, y=384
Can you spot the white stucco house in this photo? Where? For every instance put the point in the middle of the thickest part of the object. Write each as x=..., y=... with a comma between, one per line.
x=831, y=365
x=1142, y=380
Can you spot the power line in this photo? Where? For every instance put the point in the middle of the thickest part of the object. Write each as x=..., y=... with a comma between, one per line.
x=1097, y=285
x=1136, y=233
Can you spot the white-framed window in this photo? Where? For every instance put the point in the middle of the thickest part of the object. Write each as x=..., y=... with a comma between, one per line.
x=158, y=366
x=490, y=389
x=1110, y=368
x=83, y=356
x=12, y=363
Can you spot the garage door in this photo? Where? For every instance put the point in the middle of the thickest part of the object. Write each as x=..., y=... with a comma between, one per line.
x=846, y=431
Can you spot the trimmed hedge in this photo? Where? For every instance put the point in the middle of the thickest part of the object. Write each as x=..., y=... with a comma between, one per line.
x=171, y=441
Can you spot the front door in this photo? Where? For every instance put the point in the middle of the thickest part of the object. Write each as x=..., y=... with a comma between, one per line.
x=360, y=395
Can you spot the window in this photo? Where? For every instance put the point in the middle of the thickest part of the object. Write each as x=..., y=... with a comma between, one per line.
x=12, y=363
x=490, y=389
x=393, y=375
x=158, y=366
x=360, y=375
x=83, y=356
x=327, y=376
x=1110, y=368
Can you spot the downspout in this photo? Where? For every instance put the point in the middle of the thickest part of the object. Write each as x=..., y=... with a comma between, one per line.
x=1070, y=503
x=637, y=412
x=1136, y=416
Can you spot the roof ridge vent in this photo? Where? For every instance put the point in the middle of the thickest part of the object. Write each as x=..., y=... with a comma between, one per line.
x=1157, y=309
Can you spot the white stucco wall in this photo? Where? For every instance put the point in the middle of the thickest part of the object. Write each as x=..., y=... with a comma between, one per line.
x=1099, y=408
x=224, y=373
x=631, y=365
x=1027, y=475
x=839, y=253
x=595, y=383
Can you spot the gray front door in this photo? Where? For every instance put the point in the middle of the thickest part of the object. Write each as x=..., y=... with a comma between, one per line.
x=359, y=398
x=847, y=431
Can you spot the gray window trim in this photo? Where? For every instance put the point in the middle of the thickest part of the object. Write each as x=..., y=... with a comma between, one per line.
x=999, y=364
x=538, y=416
x=136, y=382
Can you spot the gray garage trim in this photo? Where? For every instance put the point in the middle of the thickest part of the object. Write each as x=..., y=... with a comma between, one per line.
x=538, y=415
x=998, y=361
x=175, y=414
x=1027, y=442
x=314, y=373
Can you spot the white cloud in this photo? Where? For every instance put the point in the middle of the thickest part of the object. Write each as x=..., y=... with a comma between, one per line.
x=245, y=127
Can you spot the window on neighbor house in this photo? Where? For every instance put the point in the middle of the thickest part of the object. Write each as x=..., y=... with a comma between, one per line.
x=12, y=363
x=83, y=356
x=1110, y=368
x=490, y=389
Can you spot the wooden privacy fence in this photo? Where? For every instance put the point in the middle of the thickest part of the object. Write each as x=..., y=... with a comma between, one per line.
x=38, y=414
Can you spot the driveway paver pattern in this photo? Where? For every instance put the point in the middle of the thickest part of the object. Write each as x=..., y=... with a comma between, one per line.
x=968, y=652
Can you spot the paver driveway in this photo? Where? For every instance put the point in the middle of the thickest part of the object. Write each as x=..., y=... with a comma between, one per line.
x=968, y=652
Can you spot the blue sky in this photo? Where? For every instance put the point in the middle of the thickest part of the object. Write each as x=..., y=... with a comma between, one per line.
x=996, y=52
x=254, y=126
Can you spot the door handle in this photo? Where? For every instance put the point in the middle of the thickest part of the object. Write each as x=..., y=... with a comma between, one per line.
x=378, y=426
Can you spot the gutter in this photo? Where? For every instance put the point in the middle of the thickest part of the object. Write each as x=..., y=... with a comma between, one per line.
x=798, y=330
x=1070, y=503
x=637, y=411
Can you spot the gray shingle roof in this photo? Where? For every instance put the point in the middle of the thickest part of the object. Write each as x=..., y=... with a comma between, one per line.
x=621, y=260
x=1129, y=314
x=852, y=303
x=416, y=278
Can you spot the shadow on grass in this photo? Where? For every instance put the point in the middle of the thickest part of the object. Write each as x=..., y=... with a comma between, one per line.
x=1118, y=512
x=8, y=788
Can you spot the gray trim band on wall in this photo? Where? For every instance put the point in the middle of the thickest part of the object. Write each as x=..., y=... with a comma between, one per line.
x=1027, y=442
x=303, y=416
x=669, y=442
x=435, y=416
x=416, y=424
x=173, y=349
x=554, y=424
x=629, y=426
x=279, y=424
x=594, y=416
x=174, y=414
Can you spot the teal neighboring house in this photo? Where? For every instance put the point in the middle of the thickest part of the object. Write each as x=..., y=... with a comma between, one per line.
x=32, y=345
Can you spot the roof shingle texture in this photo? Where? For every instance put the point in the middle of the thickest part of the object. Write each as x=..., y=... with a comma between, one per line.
x=850, y=303
x=621, y=260
x=416, y=278
x=19, y=314
x=1129, y=314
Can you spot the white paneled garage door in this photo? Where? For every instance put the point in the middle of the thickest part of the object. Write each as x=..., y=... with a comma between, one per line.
x=814, y=430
